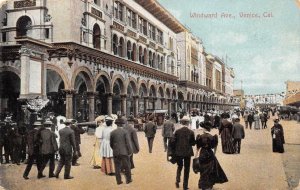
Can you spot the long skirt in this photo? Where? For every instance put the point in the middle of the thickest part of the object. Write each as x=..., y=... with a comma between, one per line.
x=211, y=171
x=108, y=166
x=96, y=158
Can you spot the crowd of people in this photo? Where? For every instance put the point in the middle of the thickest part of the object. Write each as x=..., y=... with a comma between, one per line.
x=116, y=142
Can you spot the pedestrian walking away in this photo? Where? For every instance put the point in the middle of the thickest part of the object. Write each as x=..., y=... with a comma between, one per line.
x=121, y=146
x=211, y=171
x=238, y=133
x=150, y=131
x=167, y=131
x=184, y=141
x=67, y=146
x=133, y=138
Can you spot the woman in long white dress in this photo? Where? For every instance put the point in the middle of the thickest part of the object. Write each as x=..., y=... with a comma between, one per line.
x=97, y=158
x=107, y=166
x=256, y=120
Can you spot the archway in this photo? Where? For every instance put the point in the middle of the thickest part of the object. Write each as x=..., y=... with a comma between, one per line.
x=9, y=93
x=80, y=100
x=130, y=104
x=181, y=107
x=142, y=95
x=118, y=87
x=23, y=26
x=152, y=97
x=121, y=47
x=96, y=36
x=160, y=98
x=54, y=89
x=129, y=50
x=115, y=44
x=102, y=89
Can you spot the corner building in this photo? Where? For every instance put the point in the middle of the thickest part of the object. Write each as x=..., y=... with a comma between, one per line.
x=96, y=57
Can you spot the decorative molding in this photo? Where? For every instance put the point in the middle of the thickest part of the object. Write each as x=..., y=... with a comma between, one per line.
x=118, y=27
x=96, y=12
x=24, y=3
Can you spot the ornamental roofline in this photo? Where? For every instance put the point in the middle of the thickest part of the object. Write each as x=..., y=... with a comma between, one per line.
x=162, y=14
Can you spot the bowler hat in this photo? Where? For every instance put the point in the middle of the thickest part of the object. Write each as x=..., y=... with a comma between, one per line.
x=120, y=121
x=276, y=120
x=205, y=125
x=69, y=121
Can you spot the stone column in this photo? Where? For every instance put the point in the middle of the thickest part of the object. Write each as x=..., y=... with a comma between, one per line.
x=69, y=102
x=123, y=104
x=154, y=102
x=91, y=98
x=146, y=101
x=162, y=100
x=109, y=103
x=170, y=106
x=136, y=105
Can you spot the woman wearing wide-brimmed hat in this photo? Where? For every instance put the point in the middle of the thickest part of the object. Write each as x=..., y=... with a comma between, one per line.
x=106, y=152
x=210, y=170
x=96, y=158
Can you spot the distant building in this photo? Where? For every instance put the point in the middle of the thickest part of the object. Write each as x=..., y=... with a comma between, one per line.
x=292, y=97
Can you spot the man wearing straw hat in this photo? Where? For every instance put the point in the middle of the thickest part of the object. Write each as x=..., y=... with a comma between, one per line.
x=184, y=141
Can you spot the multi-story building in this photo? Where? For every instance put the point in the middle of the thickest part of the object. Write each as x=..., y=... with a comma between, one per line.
x=98, y=57
x=292, y=97
x=228, y=80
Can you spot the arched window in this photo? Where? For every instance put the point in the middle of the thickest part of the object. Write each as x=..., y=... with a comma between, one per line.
x=145, y=56
x=121, y=47
x=24, y=24
x=96, y=37
x=150, y=59
x=133, y=53
x=115, y=44
x=129, y=50
x=97, y=2
x=172, y=68
x=192, y=76
x=141, y=55
x=162, y=63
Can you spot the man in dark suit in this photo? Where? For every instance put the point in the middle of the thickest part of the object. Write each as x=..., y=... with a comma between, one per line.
x=250, y=119
x=167, y=131
x=150, y=130
x=133, y=139
x=77, y=131
x=67, y=146
x=121, y=146
x=184, y=141
x=2, y=125
x=48, y=147
x=33, y=150
x=238, y=134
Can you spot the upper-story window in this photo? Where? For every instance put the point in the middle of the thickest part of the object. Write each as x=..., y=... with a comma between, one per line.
x=24, y=25
x=131, y=18
x=118, y=10
x=170, y=43
x=96, y=36
x=160, y=38
x=152, y=31
x=97, y=2
x=5, y=20
x=143, y=26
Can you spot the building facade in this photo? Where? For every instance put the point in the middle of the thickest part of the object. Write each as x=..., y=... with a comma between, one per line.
x=99, y=57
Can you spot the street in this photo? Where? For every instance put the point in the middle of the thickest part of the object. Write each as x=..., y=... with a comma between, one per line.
x=257, y=167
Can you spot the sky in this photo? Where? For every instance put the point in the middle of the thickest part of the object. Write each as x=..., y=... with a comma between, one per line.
x=263, y=50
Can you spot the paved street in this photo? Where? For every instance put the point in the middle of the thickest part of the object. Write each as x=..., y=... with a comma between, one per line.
x=255, y=168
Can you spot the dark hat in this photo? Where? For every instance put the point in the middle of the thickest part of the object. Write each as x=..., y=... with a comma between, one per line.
x=130, y=118
x=205, y=125
x=121, y=120
x=69, y=121
x=276, y=120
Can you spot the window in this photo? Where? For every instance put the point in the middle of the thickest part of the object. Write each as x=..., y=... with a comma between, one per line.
x=24, y=26
x=97, y=2
x=96, y=36
x=47, y=33
x=4, y=37
x=5, y=20
x=131, y=18
x=160, y=37
x=143, y=26
x=152, y=32
x=170, y=43
x=118, y=11
x=84, y=37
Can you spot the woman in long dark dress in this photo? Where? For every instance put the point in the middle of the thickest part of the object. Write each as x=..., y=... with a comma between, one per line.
x=225, y=131
x=210, y=169
x=278, y=137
